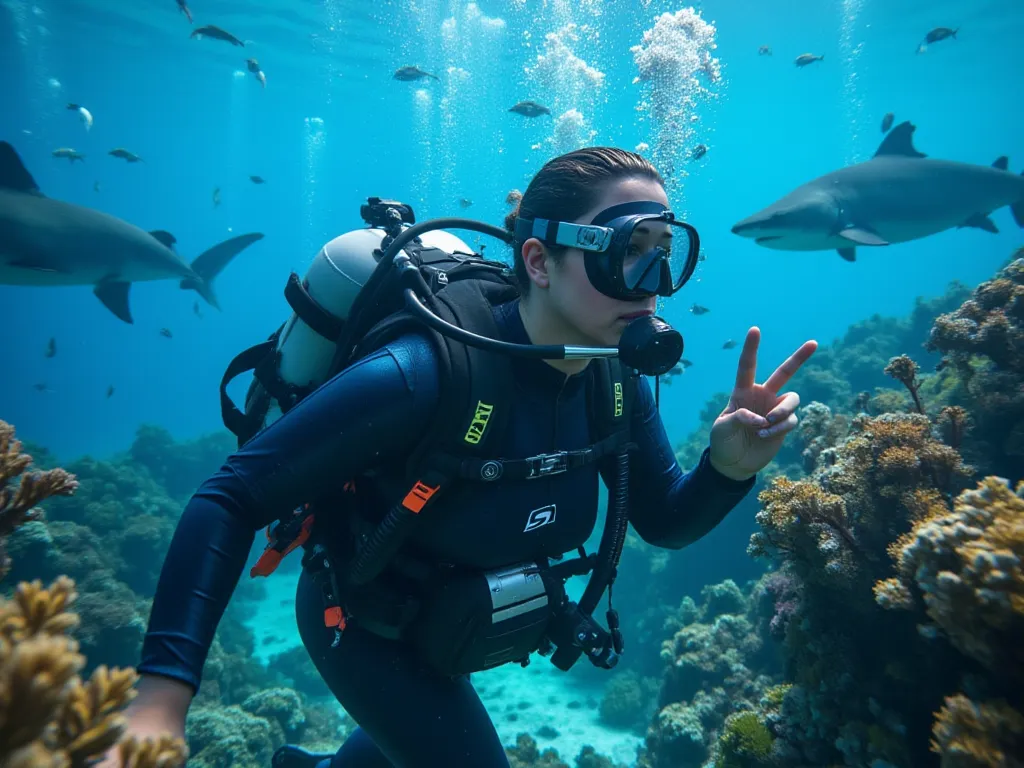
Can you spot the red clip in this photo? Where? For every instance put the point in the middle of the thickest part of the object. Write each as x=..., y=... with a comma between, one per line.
x=334, y=617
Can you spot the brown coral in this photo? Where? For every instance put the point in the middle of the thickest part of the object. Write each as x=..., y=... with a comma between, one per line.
x=19, y=506
x=969, y=566
x=971, y=735
x=48, y=715
x=990, y=323
x=904, y=370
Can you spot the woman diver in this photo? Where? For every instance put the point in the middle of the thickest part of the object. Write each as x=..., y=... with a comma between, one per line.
x=373, y=414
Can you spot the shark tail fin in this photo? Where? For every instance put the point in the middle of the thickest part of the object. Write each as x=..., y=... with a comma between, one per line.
x=209, y=264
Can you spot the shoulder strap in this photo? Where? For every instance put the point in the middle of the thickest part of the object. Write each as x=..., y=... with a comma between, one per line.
x=611, y=393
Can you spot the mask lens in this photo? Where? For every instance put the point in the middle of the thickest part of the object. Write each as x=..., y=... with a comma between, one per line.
x=660, y=257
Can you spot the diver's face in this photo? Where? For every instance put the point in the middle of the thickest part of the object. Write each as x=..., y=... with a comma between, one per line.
x=593, y=315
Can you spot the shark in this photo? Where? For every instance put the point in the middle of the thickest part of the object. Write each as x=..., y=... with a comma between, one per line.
x=47, y=242
x=899, y=195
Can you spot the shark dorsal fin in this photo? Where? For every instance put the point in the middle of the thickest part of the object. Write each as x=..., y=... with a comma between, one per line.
x=13, y=173
x=900, y=141
x=166, y=238
x=1002, y=163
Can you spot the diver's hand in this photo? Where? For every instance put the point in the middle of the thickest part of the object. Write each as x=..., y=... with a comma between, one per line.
x=159, y=708
x=749, y=432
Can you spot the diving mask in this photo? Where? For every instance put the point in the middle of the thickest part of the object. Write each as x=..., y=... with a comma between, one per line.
x=632, y=250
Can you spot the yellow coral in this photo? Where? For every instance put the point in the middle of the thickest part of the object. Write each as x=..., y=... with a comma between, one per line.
x=971, y=735
x=969, y=565
x=19, y=506
x=48, y=715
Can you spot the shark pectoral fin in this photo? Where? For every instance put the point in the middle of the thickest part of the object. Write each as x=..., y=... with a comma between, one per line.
x=114, y=295
x=850, y=254
x=861, y=236
x=981, y=221
x=900, y=141
x=13, y=173
x=165, y=238
x=1002, y=163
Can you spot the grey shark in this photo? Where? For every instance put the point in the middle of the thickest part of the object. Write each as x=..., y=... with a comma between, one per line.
x=46, y=242
x=898, y=195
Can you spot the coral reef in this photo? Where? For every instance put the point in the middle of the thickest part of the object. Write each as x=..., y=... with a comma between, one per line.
x=715, y=664
x=982, y=369
x=48, y=715
x=968, y=565
x=19, y=506
x=526, y=754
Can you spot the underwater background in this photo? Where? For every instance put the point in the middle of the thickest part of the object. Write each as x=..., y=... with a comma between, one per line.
x=133, y=410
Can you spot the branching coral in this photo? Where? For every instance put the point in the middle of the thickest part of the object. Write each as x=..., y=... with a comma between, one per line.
x=970, y=735
x=904, y=370
x=18, y=506
x=48, y=715
x=808, y=525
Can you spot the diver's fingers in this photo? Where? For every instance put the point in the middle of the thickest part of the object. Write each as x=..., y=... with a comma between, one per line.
x=781, y=428
x=792, y=364
x=749, y=418
x=747, y=368
x=785, y=407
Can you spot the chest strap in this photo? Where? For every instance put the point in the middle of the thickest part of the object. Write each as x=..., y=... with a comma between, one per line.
x=542, y=465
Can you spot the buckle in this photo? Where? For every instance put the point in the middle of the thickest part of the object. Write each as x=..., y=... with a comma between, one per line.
x=547, y=464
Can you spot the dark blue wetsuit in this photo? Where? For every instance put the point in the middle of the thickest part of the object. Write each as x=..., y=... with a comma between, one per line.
x=371, y=414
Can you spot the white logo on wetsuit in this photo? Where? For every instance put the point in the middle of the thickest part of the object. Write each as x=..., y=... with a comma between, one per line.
x=539, y=517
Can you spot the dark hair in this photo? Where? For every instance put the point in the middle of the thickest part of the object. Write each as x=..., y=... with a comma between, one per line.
x=570, y=185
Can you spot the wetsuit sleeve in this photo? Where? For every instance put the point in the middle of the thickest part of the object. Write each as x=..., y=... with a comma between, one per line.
x=376, y=409
x=667, y=507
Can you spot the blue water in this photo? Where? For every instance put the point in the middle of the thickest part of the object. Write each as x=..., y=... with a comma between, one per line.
x=199, y=121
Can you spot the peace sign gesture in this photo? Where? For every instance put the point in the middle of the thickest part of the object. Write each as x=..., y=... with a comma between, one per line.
x=749, y=432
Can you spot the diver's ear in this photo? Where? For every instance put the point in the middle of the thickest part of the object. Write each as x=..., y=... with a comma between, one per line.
x=538, y=262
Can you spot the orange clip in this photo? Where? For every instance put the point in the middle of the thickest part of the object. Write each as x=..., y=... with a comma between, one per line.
x=418, y=497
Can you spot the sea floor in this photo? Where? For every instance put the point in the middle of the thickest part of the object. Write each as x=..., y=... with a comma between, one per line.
x=519, y=699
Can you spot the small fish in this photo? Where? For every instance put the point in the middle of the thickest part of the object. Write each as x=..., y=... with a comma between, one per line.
x=530, y=109
x=257, y=180
x=216, y=196
x=254, y=67
x=465, y=202
x=765, y=50
x=85, y=113
x=940, y=33
x=678, y=369
x=729, y=344
x=808, y=58
x=699, y=151
x=887, y=121
x=198, y=312
x=183, y=7
x=408, y=74
x=41, y=387
x=69, y=153
x=124, y=154
x=697, y=309
x=51, y=348
x=216, y=33
x=95, y=186
x=166, y=333
x=110, y=391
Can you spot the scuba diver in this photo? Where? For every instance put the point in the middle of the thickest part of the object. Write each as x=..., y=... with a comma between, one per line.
x=400, y=600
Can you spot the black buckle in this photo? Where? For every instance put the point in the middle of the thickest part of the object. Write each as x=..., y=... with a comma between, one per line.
x=548, y=464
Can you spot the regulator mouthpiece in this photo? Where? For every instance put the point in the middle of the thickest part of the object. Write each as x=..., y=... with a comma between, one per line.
x=651, y=346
